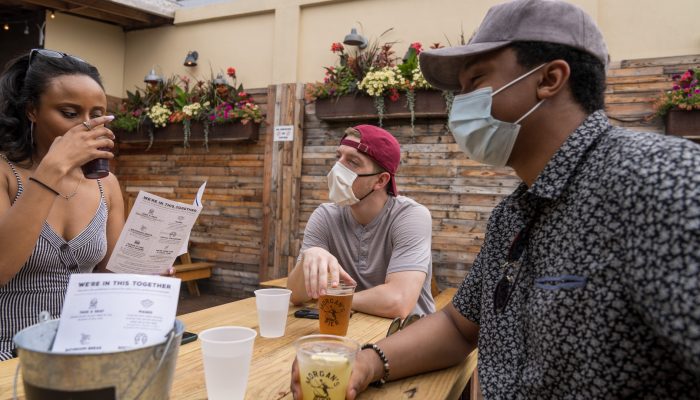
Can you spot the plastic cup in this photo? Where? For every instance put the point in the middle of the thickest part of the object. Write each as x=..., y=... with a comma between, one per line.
x=227, y=352
x=273, y=307
x=334, y=309
x=325, y=364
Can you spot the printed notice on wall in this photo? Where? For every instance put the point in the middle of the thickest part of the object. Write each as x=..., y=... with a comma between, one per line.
x=156, y=232
x=115, y=312
x=284, y=133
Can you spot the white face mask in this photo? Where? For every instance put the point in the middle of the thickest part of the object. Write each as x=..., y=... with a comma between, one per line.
x=340, y=181
x=484, y=138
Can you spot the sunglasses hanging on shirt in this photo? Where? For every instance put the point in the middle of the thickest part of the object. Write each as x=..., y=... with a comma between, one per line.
x=512, y=267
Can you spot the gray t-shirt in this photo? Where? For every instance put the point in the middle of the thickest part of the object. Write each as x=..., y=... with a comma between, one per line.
x=398, y=239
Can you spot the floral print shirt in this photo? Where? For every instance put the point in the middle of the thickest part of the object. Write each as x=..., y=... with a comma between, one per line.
x=607, y=304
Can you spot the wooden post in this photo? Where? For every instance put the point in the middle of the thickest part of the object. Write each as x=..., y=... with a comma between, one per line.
x=282, y=181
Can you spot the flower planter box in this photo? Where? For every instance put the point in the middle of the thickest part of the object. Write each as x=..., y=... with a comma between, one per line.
x=683, y=123
x=173, y=134
x=428, y=104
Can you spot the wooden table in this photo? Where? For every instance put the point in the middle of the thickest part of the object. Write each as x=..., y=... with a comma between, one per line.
x=272, y=359
x=275, y=283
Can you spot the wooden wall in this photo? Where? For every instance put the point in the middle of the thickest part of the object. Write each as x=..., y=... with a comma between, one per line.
x=229, y=229
x=459, y=193
x=634, y=85
x=256, y=192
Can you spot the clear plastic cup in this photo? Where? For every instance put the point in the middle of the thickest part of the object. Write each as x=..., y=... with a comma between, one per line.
x=227, y=352
x=325, y=365
x=334, y=309
x=273, y=308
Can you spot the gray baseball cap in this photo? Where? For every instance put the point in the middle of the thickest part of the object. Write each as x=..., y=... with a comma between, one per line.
x=552, y=21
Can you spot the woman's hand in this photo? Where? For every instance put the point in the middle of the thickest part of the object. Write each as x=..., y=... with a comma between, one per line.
x=79, y=145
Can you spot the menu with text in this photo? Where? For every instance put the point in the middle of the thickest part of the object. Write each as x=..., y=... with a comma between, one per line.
x=115, y=312
x=156, y=232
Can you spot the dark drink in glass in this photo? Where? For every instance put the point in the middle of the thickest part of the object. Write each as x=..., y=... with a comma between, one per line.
x=97, y=168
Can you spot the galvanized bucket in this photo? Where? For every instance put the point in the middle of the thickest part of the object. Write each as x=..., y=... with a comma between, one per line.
x=145, y=373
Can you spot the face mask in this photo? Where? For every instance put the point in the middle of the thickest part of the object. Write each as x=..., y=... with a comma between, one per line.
x=340, y=181
x=484, y=138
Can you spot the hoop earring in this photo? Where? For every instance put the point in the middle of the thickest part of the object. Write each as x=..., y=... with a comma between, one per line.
x=31, y=135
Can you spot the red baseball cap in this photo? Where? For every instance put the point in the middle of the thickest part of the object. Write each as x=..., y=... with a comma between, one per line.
x=382, y=147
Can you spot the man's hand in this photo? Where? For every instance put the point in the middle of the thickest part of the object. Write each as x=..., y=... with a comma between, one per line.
x=320, y=268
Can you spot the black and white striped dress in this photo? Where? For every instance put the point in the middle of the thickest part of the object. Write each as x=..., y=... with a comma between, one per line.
x=42, y=282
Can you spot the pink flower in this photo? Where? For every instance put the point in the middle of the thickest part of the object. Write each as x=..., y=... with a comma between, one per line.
x=230, y=71
x=242, y=94
x=417, y=47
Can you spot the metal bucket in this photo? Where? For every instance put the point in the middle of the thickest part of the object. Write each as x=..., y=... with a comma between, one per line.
x=145, y=373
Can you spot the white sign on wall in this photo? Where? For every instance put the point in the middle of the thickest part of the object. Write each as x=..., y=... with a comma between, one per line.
x=284, y=133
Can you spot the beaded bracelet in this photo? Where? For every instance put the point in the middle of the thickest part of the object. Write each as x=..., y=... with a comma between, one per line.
x=385, y=363
x=45, y=186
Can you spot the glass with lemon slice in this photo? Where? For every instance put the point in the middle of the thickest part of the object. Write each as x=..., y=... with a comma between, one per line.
x=325, y=364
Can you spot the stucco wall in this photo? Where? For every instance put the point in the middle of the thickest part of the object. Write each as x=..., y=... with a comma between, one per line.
x=277, y=41
x=100, y=44
x=239, y=42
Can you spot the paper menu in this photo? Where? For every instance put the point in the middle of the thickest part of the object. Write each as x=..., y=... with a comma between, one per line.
x=115, y=312
x=197, y=203
x=155, y=233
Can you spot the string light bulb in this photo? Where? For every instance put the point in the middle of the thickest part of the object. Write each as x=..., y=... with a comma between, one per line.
x=6, y=26
x=26, y=28
x=53, y=15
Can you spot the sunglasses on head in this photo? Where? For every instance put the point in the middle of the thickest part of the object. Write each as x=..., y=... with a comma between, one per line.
x=51, y=54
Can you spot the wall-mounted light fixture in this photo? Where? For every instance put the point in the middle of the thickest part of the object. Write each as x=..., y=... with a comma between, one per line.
x=152, y=78
x=219, y=80
x=191, y=59
x=355, y=39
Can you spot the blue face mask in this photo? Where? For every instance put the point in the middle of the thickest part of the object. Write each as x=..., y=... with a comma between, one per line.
x=484, y=138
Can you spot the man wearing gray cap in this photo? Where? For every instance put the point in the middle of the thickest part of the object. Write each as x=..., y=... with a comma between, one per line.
x=587, y=283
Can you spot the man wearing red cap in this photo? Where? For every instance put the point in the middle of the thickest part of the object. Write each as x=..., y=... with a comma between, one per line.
x=369, y=235
x=587, y=284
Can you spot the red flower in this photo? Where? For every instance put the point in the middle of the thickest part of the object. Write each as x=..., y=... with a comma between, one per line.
x=337, y=47
x=417, y=47
x=393, y=94
x=230, y=71
x=242, y=94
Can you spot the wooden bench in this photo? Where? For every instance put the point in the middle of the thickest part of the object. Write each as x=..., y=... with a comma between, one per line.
x=189, y=272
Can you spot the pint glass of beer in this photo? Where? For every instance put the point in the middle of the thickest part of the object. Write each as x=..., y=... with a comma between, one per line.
x=325, y=364
x=334, y=309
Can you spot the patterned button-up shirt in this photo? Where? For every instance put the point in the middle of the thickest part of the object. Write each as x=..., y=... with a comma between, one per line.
x=607, y=304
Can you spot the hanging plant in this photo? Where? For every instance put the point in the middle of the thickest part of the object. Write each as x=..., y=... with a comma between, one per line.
x=176, y=101
x=380, y=107
x=449, y=97
x=411, y=105
x=206, y=135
